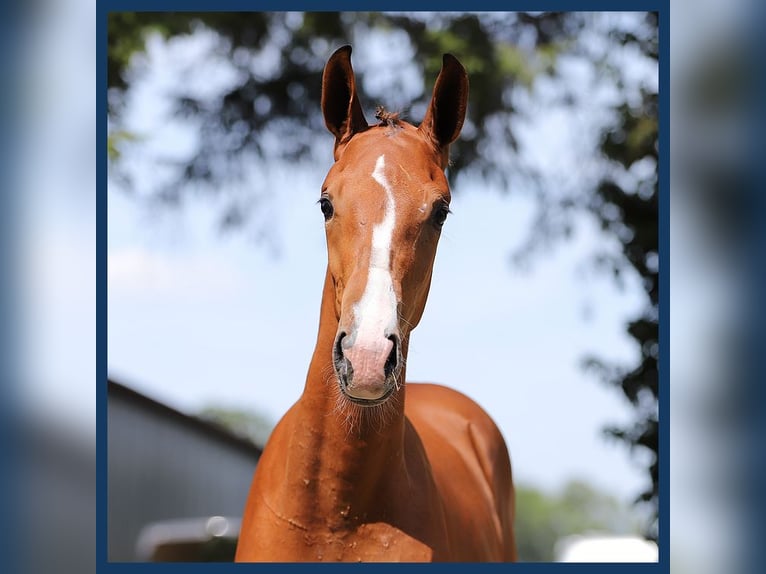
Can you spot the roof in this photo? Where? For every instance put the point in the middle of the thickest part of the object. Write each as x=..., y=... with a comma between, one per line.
x=115, y=389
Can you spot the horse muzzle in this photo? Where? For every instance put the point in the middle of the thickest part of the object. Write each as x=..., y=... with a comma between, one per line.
x=367, y=370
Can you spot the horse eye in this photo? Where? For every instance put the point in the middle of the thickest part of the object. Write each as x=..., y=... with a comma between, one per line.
x=440, y=214
x=326, y=207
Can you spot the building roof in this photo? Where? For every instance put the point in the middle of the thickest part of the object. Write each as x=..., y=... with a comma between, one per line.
x=115, y=389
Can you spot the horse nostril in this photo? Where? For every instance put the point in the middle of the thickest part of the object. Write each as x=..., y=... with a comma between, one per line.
x=393, y=357
x=337, y=352
x=342, y=366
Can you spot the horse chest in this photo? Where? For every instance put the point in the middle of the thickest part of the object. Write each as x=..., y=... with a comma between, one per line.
x=369, y=542
x=311, y=520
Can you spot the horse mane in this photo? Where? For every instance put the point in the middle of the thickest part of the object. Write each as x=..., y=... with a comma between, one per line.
x=386, y=118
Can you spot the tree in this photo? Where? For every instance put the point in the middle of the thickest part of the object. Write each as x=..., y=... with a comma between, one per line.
x=626, y=205
x=630, y=212
x=578, y=508
x=269, y=110
x=285, y=96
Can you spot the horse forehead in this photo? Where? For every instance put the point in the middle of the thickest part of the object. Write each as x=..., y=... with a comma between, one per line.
x=405, y=165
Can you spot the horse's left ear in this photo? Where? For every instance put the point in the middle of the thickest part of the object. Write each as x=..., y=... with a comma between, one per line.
x=446, y=112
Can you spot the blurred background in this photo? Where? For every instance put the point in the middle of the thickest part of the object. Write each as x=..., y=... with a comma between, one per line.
x=213, y=213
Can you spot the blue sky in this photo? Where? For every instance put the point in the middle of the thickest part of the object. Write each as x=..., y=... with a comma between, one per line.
x=193, y=314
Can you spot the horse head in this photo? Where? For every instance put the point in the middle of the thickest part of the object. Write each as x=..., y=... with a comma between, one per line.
x=384, y=200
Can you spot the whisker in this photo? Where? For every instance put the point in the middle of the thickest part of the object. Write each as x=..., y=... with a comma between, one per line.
x=356, y=418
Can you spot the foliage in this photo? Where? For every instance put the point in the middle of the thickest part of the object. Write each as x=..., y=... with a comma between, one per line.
x=627, y=208
x=269, y=111
x=542, y=518
x=498, y=51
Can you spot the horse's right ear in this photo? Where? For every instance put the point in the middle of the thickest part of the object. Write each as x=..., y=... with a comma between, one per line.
x=342, y=111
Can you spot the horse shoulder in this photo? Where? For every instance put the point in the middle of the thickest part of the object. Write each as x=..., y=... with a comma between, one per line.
x=471, y=467
x=457, y=419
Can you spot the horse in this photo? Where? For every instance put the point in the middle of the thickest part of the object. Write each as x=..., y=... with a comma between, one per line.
x=365, y=466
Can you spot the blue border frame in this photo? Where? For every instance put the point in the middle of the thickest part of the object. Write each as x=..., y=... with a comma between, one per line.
x=661, y=6
x=755, y=285
x=11, y=296
x=101, y=288
x=103, y=7
x=663, y=172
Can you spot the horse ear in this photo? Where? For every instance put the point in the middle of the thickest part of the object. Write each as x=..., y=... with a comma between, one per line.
x=342, y=111
x=446, y=112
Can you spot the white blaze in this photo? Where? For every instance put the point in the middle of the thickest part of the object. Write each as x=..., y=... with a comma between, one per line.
x=375, y=313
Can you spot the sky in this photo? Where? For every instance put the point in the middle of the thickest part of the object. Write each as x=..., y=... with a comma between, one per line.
x=192, y=314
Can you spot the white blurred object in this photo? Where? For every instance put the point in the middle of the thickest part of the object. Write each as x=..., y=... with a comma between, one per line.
x=181, y=539
x=605, y=549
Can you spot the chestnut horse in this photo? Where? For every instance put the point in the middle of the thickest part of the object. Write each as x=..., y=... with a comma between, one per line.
x=353, y=471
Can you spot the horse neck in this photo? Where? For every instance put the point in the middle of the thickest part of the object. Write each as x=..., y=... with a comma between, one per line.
x=352, y=449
